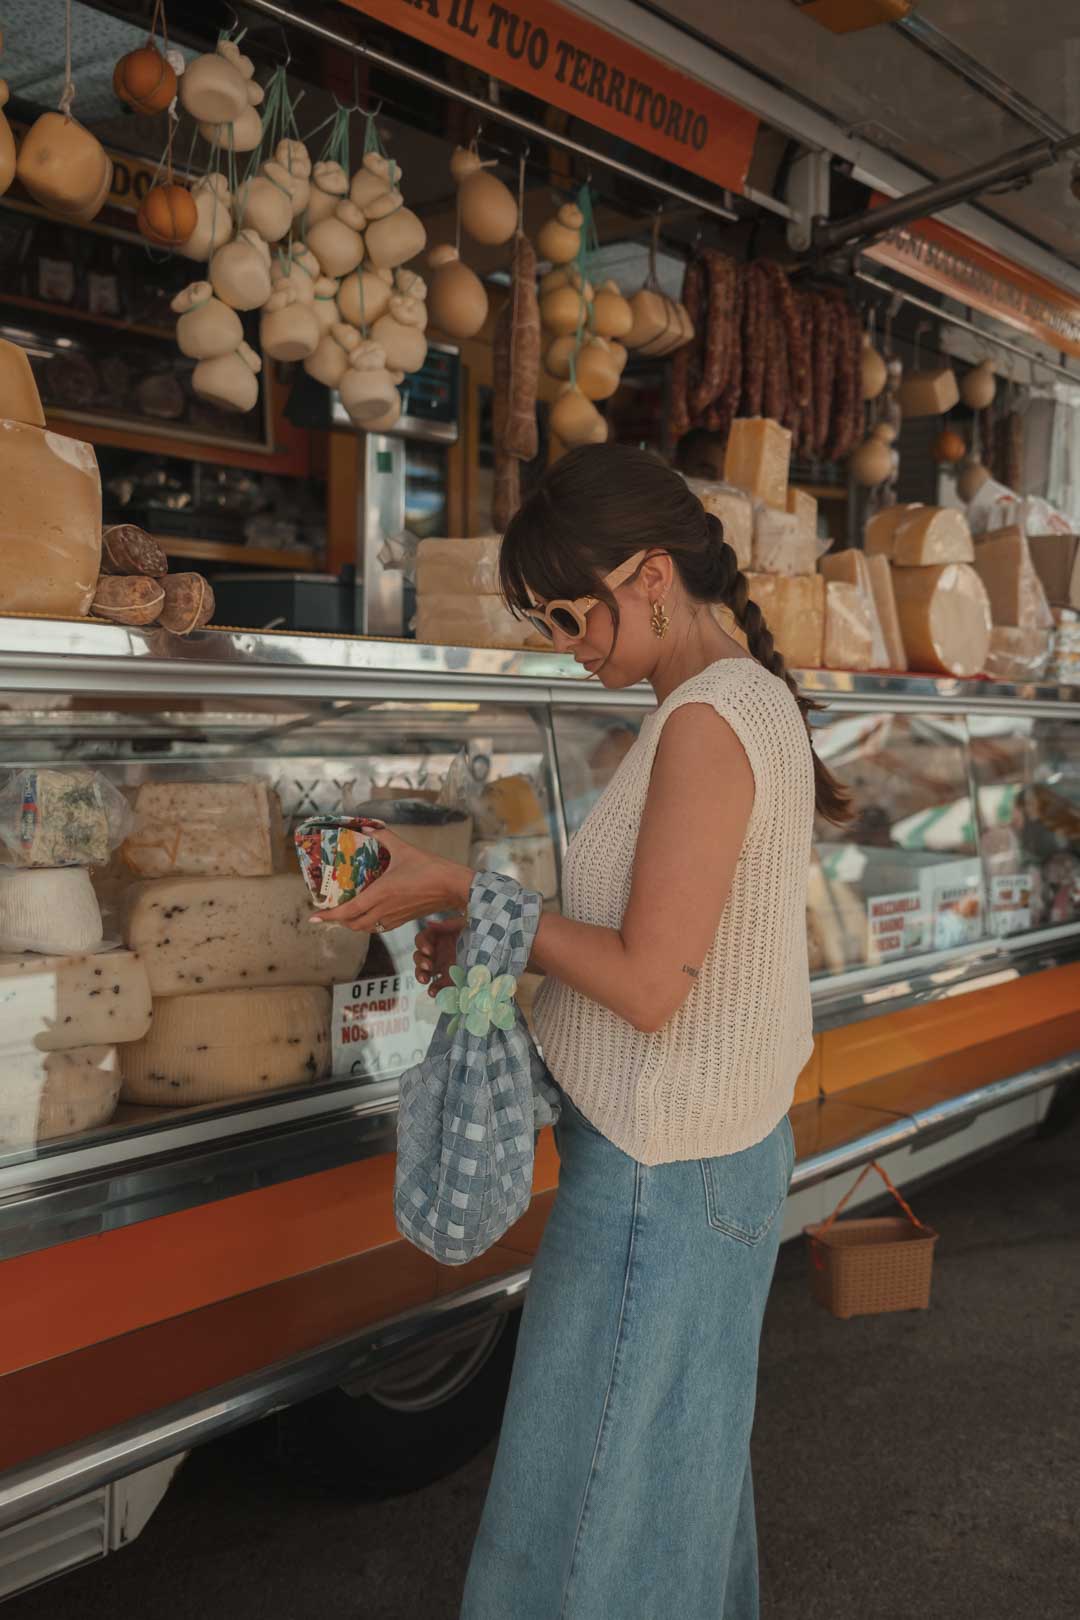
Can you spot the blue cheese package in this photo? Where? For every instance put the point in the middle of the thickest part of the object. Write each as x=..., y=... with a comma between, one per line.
x=60, y=818
x=339, y=856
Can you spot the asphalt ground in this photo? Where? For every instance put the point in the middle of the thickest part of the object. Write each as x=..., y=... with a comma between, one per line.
x=921, y=1466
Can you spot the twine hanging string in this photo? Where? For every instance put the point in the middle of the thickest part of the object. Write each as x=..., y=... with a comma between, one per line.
x=159, y=24
x=588, y=243
x=68, y=93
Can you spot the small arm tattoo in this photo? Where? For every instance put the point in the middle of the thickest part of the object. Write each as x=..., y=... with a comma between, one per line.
x=692, y=971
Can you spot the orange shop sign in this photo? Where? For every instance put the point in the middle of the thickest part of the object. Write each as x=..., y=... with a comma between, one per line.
x=572, y=63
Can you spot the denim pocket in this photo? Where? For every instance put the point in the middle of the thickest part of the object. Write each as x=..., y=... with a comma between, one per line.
x=744, y=1192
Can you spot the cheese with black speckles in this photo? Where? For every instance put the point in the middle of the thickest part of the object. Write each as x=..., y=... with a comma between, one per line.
x=55, y=1003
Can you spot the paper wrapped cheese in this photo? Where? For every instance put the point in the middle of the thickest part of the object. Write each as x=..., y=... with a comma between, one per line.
x=473, y=621
x=1003, y=563
x=757, y=459
x=232, y=1043
x=930, y=535
x=780, y=544
x=881, y=585
x=458, y=567
x=794, y=610
x=206, y=829
x=945, y=618
x=881, y=529
x=849, y=630
x=53, y=1003
x=735, y=510
x=1018, y=655
x=50, y=522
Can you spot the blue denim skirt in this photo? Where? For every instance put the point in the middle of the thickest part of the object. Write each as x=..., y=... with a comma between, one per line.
x=622, y=1487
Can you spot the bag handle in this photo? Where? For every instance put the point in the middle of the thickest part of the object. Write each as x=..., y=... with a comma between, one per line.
x=906, y=1207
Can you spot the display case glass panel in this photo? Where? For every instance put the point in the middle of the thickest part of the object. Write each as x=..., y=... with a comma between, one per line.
x=590, y=744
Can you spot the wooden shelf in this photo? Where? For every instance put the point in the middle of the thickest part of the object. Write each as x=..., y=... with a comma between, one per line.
x=824, y=492
x=297, y=562
x=38, y=306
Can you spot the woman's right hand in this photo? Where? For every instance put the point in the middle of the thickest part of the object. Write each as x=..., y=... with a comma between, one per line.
x=436, y=952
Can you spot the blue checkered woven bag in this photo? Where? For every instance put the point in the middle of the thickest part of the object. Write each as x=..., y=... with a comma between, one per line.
x=470, y=1109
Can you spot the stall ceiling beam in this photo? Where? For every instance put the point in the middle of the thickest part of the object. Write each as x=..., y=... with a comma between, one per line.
x=929, y=200
x=490, y=111
x=967, y=326
x=922, y=33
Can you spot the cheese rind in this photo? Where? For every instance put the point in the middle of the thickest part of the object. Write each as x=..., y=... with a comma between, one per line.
x=55, y=1003
x=200, y=934
x=458, y=567
x=944, y=617
x=51, y=910
x=1003, y=563
x=205, y=829
x=758, y=458
x=881, y=584
x=794, y=610
x=849, y=628
x=932, y=535
x=50, y=522
x=229, y=1044
x=880, y=537
x=781, y=545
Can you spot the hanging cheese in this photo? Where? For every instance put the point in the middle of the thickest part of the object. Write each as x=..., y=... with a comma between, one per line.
x=1003, y=563
x=196, y=934
x=880, y=537
x=1018, y=655
x=473, y=621
x=19, y=399
x=50, y=522
x=794, y=610
x=944, y=616
x=45, y=1095
x=881, y=584
x=57, y=1002
x=230, y=1043
x=206, y=829
x=453, y=567
x=53, y=910
x=929, y=393
x=804, y=507
x=757, y=459
x=932, y=535
x=849, y=629
x=780, y=543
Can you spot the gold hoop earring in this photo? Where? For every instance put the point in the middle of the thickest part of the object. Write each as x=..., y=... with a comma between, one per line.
x=659, y=620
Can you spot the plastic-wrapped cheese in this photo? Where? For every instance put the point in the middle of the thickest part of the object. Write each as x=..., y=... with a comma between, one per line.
x=929, y=393
x=198, y=934
x=931, y=535
x=781, y=545
x=851, y=568
x=849, y=630
x=735, y=511
x=51, y=910
x=944, y=618
x=206, y=829
x=458, y=567
x=881, y=584
x=794, y=610
x=757, y=459
x=230, y=1043
x=882, y=527
x=1003, y=563
x=48, y=1094
x=54, y=1003
x=1018, y=655
x=804, y=506
x=50, y=522
x=473, y=621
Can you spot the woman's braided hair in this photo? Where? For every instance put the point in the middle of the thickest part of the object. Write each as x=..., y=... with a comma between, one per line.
x=596, y=507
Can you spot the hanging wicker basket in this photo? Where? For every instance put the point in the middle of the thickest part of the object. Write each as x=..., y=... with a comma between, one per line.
x=861, y=1267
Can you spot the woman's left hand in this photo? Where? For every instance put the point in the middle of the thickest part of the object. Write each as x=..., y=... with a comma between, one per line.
x=414, y=885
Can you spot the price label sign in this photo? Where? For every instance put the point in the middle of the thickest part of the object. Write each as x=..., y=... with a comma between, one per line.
x=897, y=925
x=381, y=1026
x=957, y=916
x=1011, y=899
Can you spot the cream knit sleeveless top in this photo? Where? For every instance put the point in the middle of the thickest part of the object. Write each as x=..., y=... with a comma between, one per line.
x=721, y=1073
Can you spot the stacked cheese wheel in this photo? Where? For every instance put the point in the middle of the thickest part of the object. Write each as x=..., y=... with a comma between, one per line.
x=240, y=980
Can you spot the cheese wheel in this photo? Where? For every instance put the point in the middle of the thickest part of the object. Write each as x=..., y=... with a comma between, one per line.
x=50, y=522
x=944, y=616
x=54, y=1003
x=229, y=1044
x=54, y=910
x=881, y=529
x=881, y=584
x=757, y=459
x=931, y=535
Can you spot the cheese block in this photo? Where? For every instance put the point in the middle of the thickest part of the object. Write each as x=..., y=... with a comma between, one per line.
x=851, y=567
x=458, y=567
x=198, y=934
x=794, y=610
x=1003, y=563
x=19, y=398
x=804, y=507
x=1018, y=655
x=529, y=861
x=849, y=628
x=206, y=829
x=881, y=585
x=881, y=529
x=47, y=1093
x=54, y=1003
x=780, y=544
x=56, y=818
x=473, y=621
x=757, y=459
x=55, y=911
x=931, y=535
x=230, y=1043
x=50, y=522
x=944, y=618
x=735, y=511
x=929, y=393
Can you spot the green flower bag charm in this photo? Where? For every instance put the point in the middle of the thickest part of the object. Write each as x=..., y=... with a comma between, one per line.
x=478, y=1000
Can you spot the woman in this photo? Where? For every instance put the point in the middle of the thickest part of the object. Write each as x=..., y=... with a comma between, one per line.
x=675, y=1018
